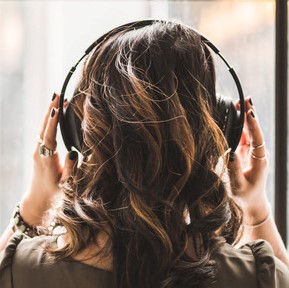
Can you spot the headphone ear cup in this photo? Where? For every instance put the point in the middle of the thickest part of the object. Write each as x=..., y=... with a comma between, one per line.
x=72, y=132
x=228, y=119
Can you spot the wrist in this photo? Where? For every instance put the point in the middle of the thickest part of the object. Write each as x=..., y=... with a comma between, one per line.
x=33, y=211
x=255, y=214
x=17, y=223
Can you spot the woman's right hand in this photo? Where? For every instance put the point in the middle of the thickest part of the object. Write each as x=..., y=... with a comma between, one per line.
x=47, y=172
x=248, y=171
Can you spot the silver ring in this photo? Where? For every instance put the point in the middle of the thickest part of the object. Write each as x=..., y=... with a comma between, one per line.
x=45, y=152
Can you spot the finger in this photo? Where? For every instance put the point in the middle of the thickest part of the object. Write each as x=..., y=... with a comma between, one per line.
x=65, y=104
x=235, y=172
x=70, y=164
x=247, y=100
x=254, y=130
x=244, y=139
x=237, y=104
x=252, y=123
x=49, y=138
x=54, y=103
x=257, y=140
x=258, y=151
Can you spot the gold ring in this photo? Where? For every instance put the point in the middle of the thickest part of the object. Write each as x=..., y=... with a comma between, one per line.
x=258, y=158
x=258, y=146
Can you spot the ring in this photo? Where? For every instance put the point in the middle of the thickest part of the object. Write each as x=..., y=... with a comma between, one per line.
x=45, y=152
x=39, y=139
x=258, y=146
x=258, y=158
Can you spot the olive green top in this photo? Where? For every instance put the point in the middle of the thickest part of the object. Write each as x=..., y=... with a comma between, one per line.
x=24, y=264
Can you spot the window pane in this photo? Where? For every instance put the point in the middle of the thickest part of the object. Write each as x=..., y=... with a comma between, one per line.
x=40, y=40
x=245, y=33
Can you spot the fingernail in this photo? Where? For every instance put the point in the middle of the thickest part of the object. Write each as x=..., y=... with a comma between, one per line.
x=252, y=113
x=73, y=155
x=54, y=96
x=232, y=156
x=52, y=112
x=250, y=101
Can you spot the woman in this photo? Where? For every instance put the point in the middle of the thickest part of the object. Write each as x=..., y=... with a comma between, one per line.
x=150, y=204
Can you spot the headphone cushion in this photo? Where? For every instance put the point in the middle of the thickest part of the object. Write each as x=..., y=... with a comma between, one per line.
x=228, y=119
x=72, y=135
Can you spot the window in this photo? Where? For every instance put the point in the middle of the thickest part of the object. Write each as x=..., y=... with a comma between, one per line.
x=244, y=31
x=41, y=40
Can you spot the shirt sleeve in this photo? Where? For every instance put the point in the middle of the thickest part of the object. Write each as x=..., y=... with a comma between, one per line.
x=6, y=260
x=251, y=266
x=270, y=271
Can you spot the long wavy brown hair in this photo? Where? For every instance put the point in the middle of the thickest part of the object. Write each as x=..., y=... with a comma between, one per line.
x=148, y=178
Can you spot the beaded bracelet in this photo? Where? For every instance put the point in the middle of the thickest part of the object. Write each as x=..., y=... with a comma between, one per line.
x=18, y=224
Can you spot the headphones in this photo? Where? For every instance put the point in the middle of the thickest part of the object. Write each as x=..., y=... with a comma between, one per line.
x=230, y=120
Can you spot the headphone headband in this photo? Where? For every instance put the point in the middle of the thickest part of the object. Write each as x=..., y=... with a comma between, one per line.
x=139, y=24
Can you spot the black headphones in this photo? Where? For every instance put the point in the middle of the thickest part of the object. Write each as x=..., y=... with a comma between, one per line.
x=229, y=120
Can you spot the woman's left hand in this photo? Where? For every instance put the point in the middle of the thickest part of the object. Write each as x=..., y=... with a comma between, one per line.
x=249, y=171
x=47, y=171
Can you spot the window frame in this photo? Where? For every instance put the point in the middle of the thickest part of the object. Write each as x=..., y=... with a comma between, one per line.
x=281, y=117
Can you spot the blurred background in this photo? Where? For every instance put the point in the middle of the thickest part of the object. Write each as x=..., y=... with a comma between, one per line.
x=41, y=40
